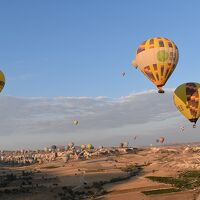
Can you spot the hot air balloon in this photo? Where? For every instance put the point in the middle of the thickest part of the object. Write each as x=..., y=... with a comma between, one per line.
x=2, y=81
x=53, y=147
x=90, y=146
x=83, y=146
x=71, y=145
x=123, y=73
x=162, y=139
x=75, y=122
x=187, y=100
x=182, y=128
x=45, y=149
x=121, y=145
x=157, y=58
x=157, y=140
x=125, y=144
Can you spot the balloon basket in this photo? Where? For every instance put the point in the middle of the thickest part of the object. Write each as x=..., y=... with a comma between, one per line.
x=161, y=91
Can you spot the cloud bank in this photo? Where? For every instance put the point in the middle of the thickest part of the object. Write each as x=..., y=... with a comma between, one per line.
x=36, y=122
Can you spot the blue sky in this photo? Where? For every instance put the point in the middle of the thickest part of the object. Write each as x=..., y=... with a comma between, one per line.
x=80, y=48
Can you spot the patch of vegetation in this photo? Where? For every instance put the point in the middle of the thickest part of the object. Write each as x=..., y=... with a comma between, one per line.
x=190, y=174
x=114, y=180
x=184, y=180
x=168, y=180
x=11, y=177
x=161, y=191
x=50, y=167
x=5, y=180
x=96, y=189
x=27, y=173
x=175, y=182
x=134, y=170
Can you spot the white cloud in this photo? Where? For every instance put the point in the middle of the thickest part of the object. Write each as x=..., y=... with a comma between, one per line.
x=38, y=121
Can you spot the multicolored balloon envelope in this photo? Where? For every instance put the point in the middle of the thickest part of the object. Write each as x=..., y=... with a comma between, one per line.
x=2, y=81
x=157, y=58
x=187, y=101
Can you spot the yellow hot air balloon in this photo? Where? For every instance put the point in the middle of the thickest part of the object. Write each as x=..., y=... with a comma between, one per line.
x=157, y=58
x=2, y=80
x=90, y=146
x=83, y=146
x=187, y=100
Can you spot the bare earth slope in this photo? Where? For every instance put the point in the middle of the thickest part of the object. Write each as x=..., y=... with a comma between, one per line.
x=102, y=177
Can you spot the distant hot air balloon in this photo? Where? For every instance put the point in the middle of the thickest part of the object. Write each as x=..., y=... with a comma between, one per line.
x=123, y=73
x=135, y=137
x=162, y=139
x=157, y=140
x=45, y=149
x=157, y=58
x=2, y=81
x=71, y=145
x=76, y=122
x=83, y=146
x=187, y=101
x=182, y=128
x=90, y=146
x=125, y=144
x=121, y=145
x=53, y=147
